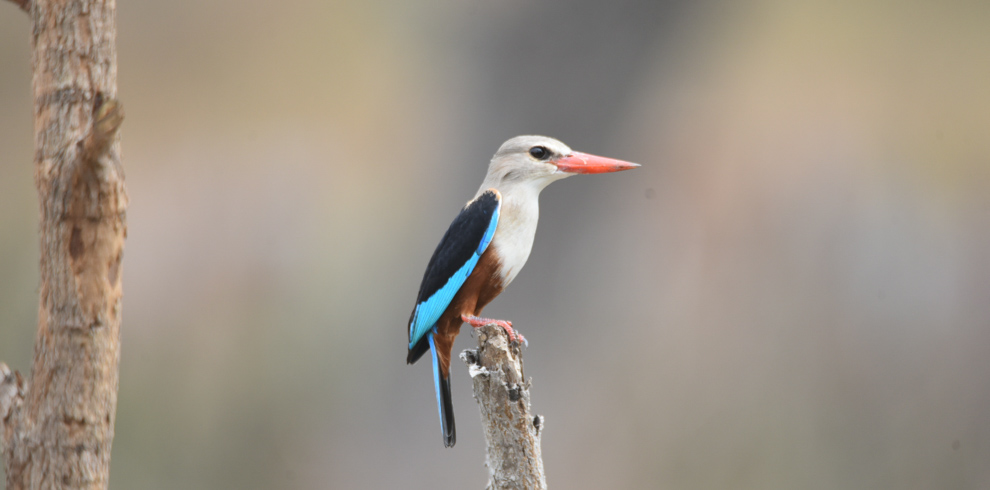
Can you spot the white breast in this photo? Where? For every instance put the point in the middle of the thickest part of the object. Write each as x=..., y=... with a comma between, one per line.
x=514, y=235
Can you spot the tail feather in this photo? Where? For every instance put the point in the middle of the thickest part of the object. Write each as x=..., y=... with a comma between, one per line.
x=417, y=351
x=444, y=403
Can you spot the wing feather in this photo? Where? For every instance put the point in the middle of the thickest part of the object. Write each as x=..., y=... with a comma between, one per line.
x=453, y=261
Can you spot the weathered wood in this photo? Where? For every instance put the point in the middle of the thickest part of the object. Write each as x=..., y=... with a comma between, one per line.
x=512, y=432
x=57, y=429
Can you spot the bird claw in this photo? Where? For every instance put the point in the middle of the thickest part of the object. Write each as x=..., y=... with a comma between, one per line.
x=506, y=325
x=514, y=336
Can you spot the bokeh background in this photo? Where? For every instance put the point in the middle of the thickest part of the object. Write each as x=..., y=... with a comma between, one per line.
x=793, y=292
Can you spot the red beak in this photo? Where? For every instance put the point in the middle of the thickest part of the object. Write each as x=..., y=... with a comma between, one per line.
x=583, y=163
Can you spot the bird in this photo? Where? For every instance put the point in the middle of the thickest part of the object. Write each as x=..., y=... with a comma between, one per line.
x=484, y=249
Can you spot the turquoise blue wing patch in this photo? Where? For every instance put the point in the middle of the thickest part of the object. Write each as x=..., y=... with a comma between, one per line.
x=455, y=258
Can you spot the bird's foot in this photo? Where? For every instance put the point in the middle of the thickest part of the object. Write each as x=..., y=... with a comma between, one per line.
x=477, y=322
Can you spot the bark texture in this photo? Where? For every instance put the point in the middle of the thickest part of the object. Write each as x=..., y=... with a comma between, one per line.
x=57, y=429
x=512, y=432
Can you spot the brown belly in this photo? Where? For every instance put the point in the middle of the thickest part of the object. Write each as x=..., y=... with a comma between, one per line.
x=480, y=288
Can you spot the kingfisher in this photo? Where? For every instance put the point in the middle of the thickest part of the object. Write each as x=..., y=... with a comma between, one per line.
x=484, y=249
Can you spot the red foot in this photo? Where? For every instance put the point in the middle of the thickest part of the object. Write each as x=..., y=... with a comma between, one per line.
x=477, y=321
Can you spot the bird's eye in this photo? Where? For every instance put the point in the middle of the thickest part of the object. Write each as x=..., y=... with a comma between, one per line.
x=539, y=153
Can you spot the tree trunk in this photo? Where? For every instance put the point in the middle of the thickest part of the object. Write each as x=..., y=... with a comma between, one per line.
x=512, y=432
x=57, y=429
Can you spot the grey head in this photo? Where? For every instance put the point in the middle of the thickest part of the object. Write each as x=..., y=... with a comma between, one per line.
x=526, y=162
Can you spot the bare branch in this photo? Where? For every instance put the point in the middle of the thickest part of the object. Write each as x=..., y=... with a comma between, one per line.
x=512, y=432
x=58, y=427
x=25, y=5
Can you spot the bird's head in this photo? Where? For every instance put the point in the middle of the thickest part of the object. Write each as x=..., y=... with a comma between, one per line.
x=536, y=161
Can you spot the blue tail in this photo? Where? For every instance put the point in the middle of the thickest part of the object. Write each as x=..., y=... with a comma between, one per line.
x=444, y=404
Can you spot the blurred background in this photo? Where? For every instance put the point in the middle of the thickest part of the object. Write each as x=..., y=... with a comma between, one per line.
x=793, y=292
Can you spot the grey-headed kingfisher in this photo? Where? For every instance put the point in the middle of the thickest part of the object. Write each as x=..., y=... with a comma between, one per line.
x=485, y=247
